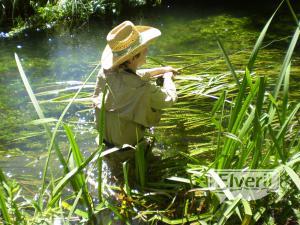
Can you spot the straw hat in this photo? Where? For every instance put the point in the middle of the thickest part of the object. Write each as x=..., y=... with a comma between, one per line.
x=125, y=41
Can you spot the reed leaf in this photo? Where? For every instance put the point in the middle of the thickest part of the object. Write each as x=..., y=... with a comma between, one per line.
x=276, y=144
x=232, y=137
x=217, y=105
x=220, y=102
x=100, y=141
x=73, y=208
x=286, y=62
x=238, y=103
x=248, y=212
x=140, y=164
x=230, y=209
x=78, y=212
x=52, y=141
x=221, y=184
x=258, y=130
x=28, y=89
x=258, y=214
x=179, y=179
x=42, y=121
x=281, y=132
x=293, y=175
x=66, y=179
x=236, y=119
x=285, y=92
x=80, y=177
x=4, y=208
x=199, y=218
x=125, y=174
x=260, y=39
x=229, y=64
x=41, y=116
x=2, y=177
x=293, y=12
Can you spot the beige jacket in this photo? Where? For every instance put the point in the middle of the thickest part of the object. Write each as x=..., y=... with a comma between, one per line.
x=131, y=104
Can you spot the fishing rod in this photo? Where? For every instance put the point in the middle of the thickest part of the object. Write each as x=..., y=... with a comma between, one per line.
x=178, y=70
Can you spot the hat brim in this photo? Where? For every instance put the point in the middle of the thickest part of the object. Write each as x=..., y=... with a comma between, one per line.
x=147, y=34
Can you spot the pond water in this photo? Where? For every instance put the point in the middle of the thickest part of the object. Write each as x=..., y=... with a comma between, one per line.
x=58, y=60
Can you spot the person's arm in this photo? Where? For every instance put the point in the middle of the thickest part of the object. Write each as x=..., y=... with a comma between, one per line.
x=165, y=96
x=100, y=82
x=147, y=74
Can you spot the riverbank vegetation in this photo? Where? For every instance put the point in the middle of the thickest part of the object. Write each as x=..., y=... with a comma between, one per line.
x=252, y=123
x=20, y=15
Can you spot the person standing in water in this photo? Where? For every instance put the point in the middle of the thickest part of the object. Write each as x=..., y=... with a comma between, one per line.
x=133, y=102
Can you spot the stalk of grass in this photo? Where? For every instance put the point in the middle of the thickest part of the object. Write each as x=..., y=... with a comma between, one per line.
x=74, y=183
x=295, y=139
x=4, y=208
x=140, y=164
x=293, y=175
x=41, y=116
x=14, y=6
x=80, y=177
x=278, y=139
x=220, y=103
x=283, y=71
x=221, y=184
x=101, y=138
x=66, y=179
x=77, y=212
x=260, y=40
x=285, y=99
x=281, y=132
x=286, y=62
x=248, y=212
x=233, y=205
x=293, y=12
x=59, y=122
x=258, y=214
x=229, y=64
x=125, y=174
x=2, y=177
x=202, y=218
x=257, y=127
x=9, y=192
x=73, y=208
x=236, y=119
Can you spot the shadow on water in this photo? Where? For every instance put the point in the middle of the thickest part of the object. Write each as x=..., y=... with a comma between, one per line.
x=53, y=59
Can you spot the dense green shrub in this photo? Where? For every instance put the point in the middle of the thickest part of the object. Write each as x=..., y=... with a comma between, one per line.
x=40, y=13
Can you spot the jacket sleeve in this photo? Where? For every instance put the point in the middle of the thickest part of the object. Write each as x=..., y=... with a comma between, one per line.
x=163, y=97
x=100, y=83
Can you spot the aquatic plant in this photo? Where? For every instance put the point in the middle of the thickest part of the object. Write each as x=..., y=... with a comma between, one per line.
x=251, y=124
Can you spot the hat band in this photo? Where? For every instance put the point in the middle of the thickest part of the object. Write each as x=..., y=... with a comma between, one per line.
x=125, y=51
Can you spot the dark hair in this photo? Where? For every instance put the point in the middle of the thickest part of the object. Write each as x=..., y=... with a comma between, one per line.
x=125, y=64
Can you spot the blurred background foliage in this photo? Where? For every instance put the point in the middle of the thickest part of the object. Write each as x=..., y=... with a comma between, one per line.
x=17, y=15
x=41, y=13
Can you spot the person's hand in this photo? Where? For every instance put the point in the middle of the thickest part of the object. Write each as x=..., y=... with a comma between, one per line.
x=157, y=72
x=169, y=75
x=96, y=102
x=169, y=69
